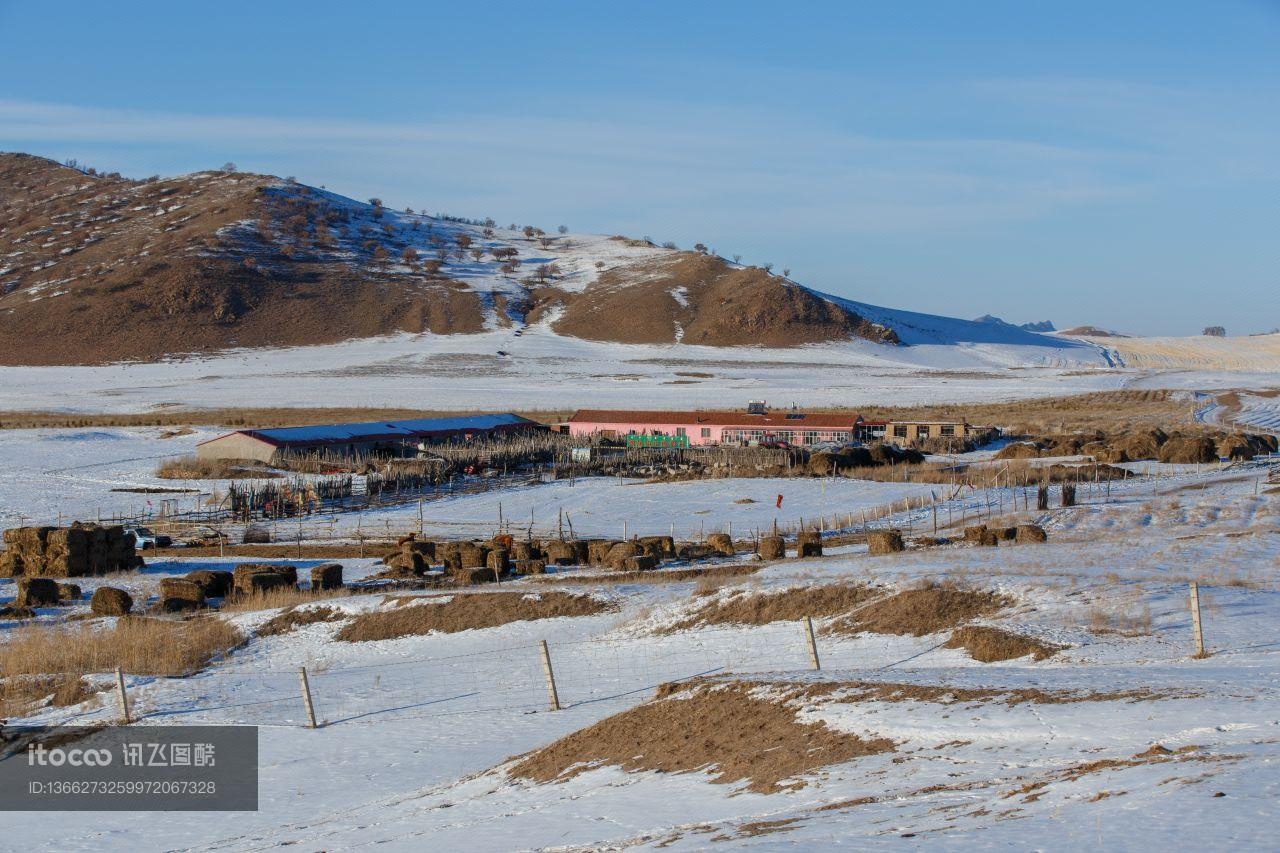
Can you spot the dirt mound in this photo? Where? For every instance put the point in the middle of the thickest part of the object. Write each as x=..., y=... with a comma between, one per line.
x=417, y=615
x=987, y=644
x=1189, y=450
x=1019, y=450
x=737, y=733
x=719, y=305
x=924, y=610
x=752, y=607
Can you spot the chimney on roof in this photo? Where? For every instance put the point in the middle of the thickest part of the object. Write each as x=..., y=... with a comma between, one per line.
x=756, y=407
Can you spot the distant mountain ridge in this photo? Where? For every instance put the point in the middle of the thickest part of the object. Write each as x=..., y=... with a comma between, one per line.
x=97, y=269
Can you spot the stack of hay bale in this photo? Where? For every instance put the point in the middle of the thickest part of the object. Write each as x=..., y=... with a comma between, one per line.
x=257, y=578
x=772, y=548
x=67, y=552
x=413, y=557
x=809, y=543
x=980, y=535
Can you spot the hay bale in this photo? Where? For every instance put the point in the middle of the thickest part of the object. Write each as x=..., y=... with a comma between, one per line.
x=473, y=575
x=620, y=552
x=472, y=555
x=640, y=563
x=36, y=592
x=721, y=544
x=988, y=539
x=666, y=546
x=69, y=592
x=975, y=533
x=251, y=578
x=808, y=543
x=181, y=588
x=177, y=605
x=883, y=542
x=1235, y=446
x=326, y=576
x=11, y=564
x=692, y=551
x=530, y=567
x=525, y=551
x=498, y=561
x=561, y=552
x=1006, y=534
x=212, y=583
x=1030, y=533
x=598, y=550
x=110, y=601
x=255, y=535
x=772, y=548
x=1189, y=450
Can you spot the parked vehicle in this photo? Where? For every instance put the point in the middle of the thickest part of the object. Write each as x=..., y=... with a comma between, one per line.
x=143, y=538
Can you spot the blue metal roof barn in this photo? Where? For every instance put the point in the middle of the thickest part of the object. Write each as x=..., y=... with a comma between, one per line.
x=364, y=437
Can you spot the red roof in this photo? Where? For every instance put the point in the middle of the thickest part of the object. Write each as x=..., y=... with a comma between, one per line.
x=780, y=419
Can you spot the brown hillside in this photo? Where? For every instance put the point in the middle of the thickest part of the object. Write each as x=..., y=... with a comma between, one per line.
x=96, y=269
x=722, y=305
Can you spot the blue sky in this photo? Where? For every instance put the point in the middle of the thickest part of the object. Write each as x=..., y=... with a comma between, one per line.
x=1106, y=163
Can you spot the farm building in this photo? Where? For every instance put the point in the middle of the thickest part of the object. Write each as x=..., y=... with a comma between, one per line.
x=754, y=426
x=378, y=438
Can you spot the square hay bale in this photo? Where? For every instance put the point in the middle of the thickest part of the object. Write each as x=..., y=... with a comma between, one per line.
x=560, y=552
x=474, y=575
x=422, y=547
x=692, y=551
x=772, y=548
x=326, y=576
x=177, y=605
x=36, y=592
x=1030, y=533
x=619, y=553
x=110, y=601
x=530, y=567
x=883, y=542
x=809, y=543
x=666, y=546
x=69, y=593
x=472, y=555
x=11, y=565
x=498, y=561
x=250, y=578
x=181, y=588
x=640, y=563
x=525, y=551
x=212, y=583
x=1007, y=534
x=988, y=539
x=598, y=550
x=722, y=544
x=974, y=533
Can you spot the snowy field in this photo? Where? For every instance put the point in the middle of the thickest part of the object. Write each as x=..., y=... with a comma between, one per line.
x=420, y=729
x=70, y=474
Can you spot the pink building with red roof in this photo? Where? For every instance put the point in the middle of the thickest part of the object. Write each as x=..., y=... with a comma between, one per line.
x=756, y=425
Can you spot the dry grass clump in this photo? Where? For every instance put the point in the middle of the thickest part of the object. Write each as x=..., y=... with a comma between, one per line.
x=1119, y=618
x=702, y=577
x=287, y=621
x=988, y=645
x=753, y=607
x=279, y=597
x=727, y=729
x=417, y=615
x=194, y=468
x=138, y=645
x=20, y=694
x=927, y=609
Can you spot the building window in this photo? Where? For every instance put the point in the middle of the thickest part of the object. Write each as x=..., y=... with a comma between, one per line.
x=811, y=436
x=706, y=432
x=922, y=432
x=947, y=430
x=680, y=431
x=899, y=430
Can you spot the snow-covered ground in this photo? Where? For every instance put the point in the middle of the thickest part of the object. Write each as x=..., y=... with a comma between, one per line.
x=69, y=474
x=420, y=728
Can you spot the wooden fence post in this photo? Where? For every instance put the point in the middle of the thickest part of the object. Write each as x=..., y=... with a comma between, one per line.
x=1197, y=631
x=306, y=697
x=553, y=697
x=124, y=697
x=813, y=643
